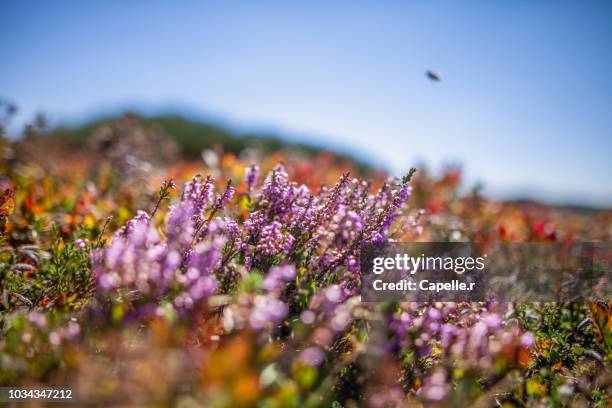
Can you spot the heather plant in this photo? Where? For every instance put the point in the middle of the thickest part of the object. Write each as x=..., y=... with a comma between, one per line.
x=201, y=248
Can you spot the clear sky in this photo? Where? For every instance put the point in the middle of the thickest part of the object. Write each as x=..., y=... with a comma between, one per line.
x=525, y=103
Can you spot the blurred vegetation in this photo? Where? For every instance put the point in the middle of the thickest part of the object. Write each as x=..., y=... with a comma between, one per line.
x=61, y=205
x=193, y=136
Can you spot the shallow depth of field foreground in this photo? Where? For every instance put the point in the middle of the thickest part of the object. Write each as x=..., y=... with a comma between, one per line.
x=141, y=279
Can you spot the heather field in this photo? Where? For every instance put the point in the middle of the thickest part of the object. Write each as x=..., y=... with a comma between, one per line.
x=138, y=276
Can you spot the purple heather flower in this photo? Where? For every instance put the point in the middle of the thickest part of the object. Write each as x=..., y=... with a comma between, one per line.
x=492, y=320
x=203, y=288
x=278, y=276
x=224, y=198
x=72, y=331
x=38, y=319
x=333, y=294
x=434, y=314
x=267, y=310
x=273, y=241
x=139, y=258
x=308, y=317
x=527, y=340
x=251, y=176
x=312, y=356
x=435, y=387
x=198, y=194
x=341, y=318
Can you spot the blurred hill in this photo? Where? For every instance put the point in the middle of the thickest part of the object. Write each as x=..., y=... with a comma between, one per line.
x=193, y=136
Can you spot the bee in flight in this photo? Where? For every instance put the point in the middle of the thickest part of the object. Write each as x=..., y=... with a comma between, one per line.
x=433, y=75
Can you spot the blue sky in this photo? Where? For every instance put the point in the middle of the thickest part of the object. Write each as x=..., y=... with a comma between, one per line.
x=524, y=104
